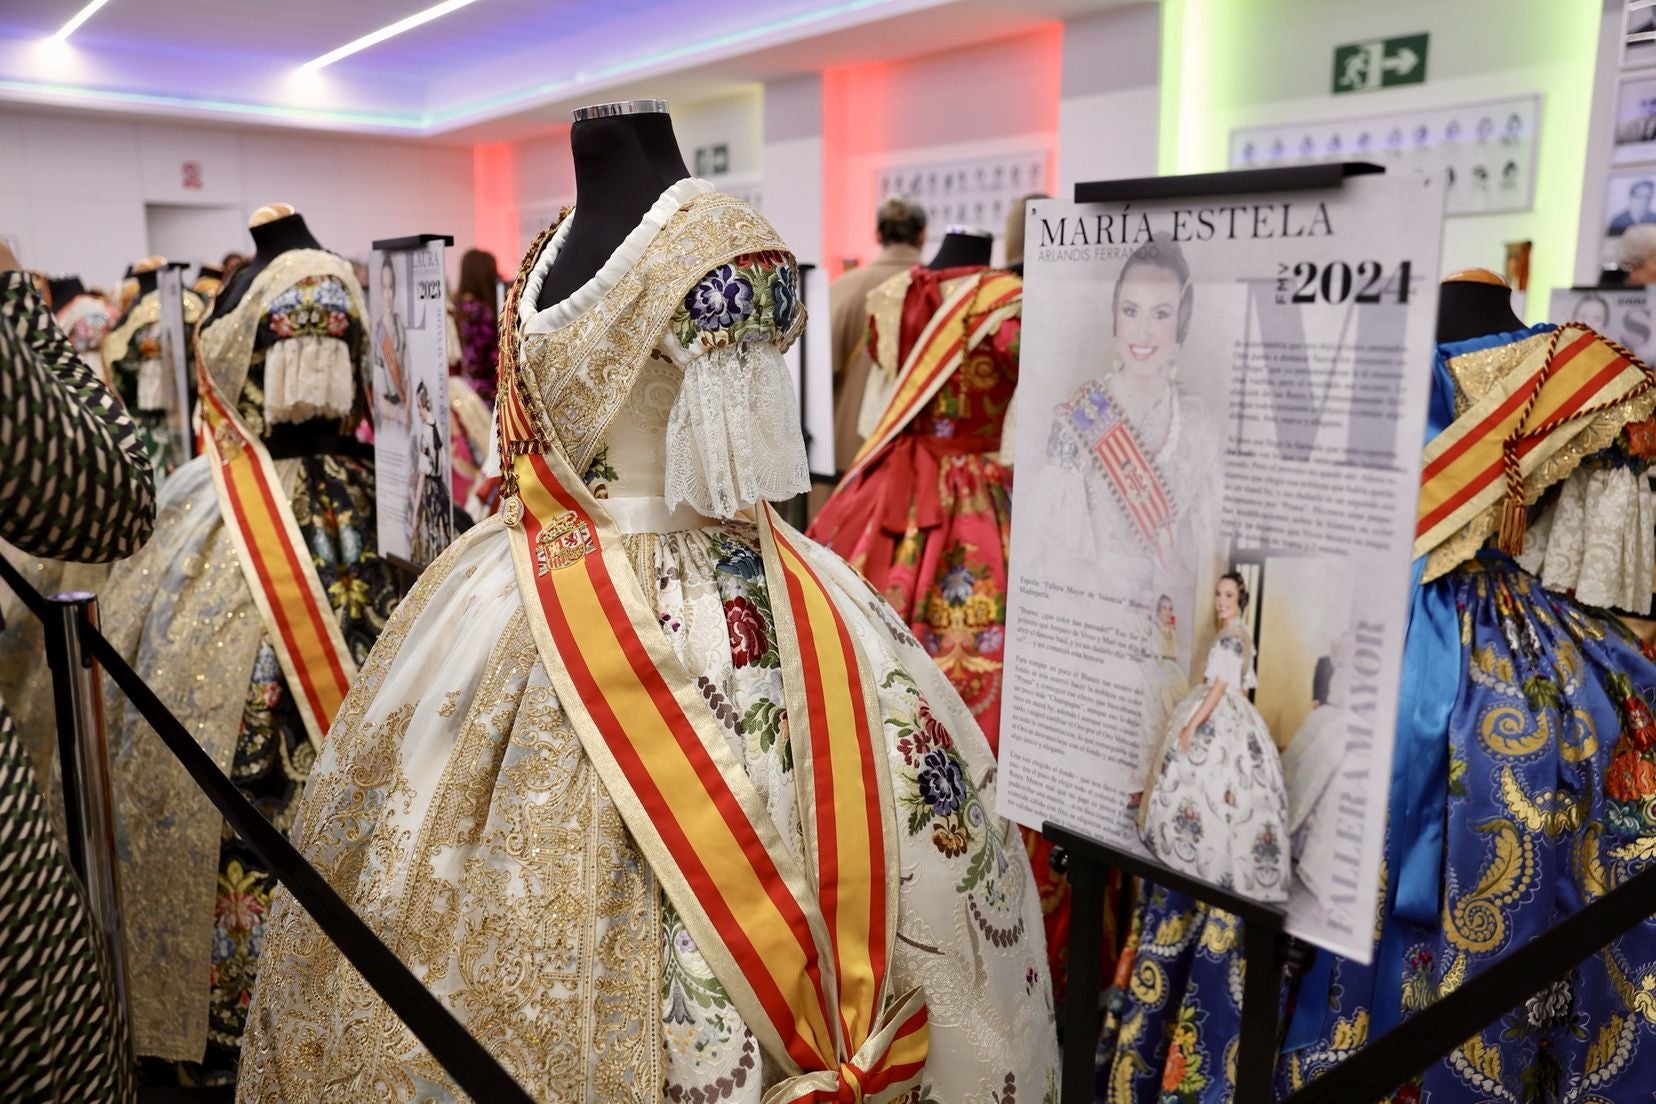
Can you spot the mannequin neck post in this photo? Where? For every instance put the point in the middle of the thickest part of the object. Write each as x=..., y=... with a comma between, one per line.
x=959, y=249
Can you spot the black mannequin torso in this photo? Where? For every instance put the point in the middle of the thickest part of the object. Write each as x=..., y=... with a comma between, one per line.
x=63, y=289
x=1468, y=309
x=622, y=165
x=270, y=240
x=958, y=249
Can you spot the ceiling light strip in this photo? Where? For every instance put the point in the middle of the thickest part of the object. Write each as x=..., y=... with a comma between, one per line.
x=77, y=19
x=373, y=38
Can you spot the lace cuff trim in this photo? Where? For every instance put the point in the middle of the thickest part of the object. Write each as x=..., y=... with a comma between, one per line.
x=733, y=435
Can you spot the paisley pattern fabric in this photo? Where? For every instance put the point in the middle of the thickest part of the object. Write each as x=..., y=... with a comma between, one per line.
x=479, y=336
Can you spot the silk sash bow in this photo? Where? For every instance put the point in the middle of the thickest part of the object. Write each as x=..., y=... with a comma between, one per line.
x=275, y=560
x=973, y=311
x=803, y=948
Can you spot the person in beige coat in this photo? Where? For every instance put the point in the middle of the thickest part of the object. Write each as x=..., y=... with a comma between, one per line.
x=901, y=226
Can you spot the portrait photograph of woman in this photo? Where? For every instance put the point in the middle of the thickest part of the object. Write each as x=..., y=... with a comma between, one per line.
x=1132, y=454
x=390, y=346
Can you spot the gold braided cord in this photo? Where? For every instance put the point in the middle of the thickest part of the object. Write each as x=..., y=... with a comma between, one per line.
x=510, y=371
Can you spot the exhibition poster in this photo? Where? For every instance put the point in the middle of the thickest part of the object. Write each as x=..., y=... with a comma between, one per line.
x=1622, y=314
x=175, y=364
x=1222, y=405
x=408, y=338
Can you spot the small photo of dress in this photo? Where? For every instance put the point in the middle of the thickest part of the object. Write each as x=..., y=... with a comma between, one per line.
x=432, y=513
x=1216, y=807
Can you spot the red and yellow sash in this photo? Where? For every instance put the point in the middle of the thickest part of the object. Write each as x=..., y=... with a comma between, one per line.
x=977, y=308
x=1515, y=428
x=803, y=948
x=276, y=562
x=1106, y=435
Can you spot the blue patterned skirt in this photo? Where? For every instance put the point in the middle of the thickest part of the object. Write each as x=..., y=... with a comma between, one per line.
x=1542, y=791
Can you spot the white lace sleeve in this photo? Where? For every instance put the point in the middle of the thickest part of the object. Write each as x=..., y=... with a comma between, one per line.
x=1596, y=539
x=733, y=436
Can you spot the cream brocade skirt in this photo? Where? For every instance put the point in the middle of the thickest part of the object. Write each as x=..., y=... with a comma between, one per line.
x=454, y=808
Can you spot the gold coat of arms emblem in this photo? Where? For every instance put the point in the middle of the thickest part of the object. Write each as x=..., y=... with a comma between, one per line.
x=562, y=543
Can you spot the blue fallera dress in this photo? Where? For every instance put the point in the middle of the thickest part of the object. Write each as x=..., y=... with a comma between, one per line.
x=1523, y=787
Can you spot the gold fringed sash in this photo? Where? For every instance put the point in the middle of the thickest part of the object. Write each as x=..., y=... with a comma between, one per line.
x=276, y=562
x=804, y=949
x=975, y=309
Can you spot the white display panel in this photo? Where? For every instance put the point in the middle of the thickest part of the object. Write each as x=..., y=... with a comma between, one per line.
x=1234, y=384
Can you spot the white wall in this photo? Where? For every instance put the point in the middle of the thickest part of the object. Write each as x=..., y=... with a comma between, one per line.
x=793, y=204
x=1109, y=110
x=1270, y=61
x=75, y=187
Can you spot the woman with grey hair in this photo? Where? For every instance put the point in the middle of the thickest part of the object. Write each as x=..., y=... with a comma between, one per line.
x=1638, y=254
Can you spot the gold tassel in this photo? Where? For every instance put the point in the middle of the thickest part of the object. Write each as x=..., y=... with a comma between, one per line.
x=1514, y=521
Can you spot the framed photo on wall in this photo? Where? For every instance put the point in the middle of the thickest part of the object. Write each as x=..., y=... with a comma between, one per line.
x=1629, y=200
x=1638, y=34
x=1635, y=134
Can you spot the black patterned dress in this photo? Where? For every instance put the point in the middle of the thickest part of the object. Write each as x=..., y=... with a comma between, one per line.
x=75, y=483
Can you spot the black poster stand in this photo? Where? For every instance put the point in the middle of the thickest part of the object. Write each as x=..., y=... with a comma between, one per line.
x=1402, y=1053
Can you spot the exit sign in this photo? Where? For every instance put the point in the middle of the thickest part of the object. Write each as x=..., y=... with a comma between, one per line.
x=1380, y=63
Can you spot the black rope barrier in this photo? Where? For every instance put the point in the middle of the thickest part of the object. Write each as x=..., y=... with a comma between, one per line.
x=473, y=1068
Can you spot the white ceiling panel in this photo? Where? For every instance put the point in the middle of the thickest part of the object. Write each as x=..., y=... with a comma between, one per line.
x=482, y=66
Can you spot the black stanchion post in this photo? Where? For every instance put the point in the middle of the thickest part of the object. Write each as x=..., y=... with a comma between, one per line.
x=1261, y=992
x=1081, y=1014
x=83, y=754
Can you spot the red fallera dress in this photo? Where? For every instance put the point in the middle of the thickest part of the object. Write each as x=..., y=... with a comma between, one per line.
x=927, y=519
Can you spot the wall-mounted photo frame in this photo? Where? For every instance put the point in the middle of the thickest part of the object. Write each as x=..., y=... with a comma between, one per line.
x=1638, y=48
x=1635, y=134
x=1485, y=151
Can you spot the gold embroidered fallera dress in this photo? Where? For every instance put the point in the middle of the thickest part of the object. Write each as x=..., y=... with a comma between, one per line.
x=455, y=806
x=195, y=896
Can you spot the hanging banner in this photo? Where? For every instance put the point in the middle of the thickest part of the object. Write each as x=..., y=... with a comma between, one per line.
x=408, y=335
x=175, y=365
x=1218, y=452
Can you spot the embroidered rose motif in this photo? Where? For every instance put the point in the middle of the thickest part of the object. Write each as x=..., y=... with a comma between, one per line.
x=941, y=783
x=784, y=297
x=1630, y=778
x=722, y=299
x=950, y=839
x=747, y=631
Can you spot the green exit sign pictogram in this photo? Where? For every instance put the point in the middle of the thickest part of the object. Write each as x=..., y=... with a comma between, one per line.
x=1380, y=63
